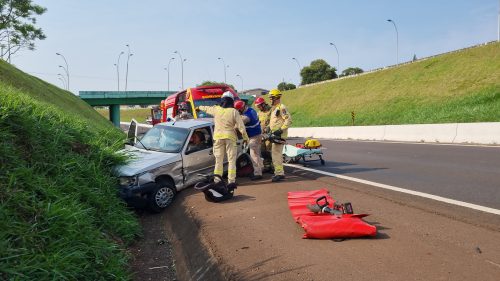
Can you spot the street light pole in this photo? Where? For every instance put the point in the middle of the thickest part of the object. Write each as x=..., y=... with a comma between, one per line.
x=182, y=69
x=126, y=73
x=241, y=81
x=397, y=40
x=297, y=61
x=64, y=84
x=168, y=73
x=67, y=74
x=60, y=76
x=67, y=68
x=338, y=57
x=300, y=67
x=118, y=69
x=224, y=64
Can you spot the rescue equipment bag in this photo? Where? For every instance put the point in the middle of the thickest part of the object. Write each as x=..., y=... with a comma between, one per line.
x=215, y=191
x=316, y=212
x=312, y=143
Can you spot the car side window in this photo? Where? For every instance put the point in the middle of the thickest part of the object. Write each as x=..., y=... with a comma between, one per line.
x=200, y=139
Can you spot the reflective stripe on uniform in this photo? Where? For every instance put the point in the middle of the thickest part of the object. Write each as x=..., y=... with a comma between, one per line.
x=253, y=126
x=220, y=136
x=278, y=169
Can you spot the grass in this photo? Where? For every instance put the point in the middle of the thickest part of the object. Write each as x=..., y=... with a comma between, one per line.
x=45, y=92
x=458, y=87
x=60, y=218
x=126, y=115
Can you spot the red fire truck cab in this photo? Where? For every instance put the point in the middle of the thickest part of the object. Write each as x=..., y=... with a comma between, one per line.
x=194, y=97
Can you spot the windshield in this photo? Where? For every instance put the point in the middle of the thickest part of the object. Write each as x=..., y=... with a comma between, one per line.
x=164, y=138
x=206, y=102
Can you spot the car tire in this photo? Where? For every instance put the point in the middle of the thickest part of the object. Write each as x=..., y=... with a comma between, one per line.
x=162, y=196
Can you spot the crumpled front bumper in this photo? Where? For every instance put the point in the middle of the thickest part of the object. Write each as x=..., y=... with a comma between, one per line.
x=136, y=196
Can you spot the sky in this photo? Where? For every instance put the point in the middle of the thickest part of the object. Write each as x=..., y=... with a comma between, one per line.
x=257, y=39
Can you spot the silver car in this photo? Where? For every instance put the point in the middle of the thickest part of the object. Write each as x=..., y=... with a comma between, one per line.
x=167, y=159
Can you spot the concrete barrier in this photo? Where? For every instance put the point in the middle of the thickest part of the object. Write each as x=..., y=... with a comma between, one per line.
x=477, y=133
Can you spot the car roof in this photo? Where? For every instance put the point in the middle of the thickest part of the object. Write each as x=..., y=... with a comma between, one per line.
x=189, y=123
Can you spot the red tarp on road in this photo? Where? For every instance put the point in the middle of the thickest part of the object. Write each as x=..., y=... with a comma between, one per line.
x=321, y=226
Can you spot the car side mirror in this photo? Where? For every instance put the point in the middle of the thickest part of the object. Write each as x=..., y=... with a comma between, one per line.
x=132, y=132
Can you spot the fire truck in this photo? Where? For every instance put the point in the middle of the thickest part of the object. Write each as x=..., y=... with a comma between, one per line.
x=193, y=97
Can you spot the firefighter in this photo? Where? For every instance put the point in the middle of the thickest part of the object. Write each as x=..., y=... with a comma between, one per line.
x=264, y=112
x=280, y=120
x=226, y=120
x=254, y=132
x=183, y=112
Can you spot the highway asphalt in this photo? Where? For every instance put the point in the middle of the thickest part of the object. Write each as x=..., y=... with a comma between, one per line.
x=460, y=172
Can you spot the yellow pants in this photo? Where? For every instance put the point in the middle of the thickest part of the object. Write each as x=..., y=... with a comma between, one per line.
x=277, y=154
x=221, y=148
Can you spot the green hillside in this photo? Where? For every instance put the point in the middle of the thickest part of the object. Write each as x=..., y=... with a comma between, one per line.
x=60, y=218
x=42, y=91
x=457, y=87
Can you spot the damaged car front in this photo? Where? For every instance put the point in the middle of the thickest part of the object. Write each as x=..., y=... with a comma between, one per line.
x=154, y=173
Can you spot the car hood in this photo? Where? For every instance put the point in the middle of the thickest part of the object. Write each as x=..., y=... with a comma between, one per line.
x=144, y=160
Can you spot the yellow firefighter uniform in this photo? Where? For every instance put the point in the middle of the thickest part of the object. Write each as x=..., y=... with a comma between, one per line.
x=226, y=120
x=280, y=119
x=264, y=116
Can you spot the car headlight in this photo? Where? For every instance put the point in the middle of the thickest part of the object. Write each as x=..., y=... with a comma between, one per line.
x=128, y=180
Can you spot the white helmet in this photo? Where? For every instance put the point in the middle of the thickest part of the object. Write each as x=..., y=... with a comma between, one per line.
x=228, y=94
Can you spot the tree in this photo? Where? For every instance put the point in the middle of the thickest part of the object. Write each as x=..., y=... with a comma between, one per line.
x=319, y=70
x=210, y=83
x=351, y=71
x=17, y=26
x=284, y=86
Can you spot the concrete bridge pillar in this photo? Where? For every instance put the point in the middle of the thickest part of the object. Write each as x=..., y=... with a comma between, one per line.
x=114, y=114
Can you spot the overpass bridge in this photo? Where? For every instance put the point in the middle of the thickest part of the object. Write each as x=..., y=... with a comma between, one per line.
x=113, y=99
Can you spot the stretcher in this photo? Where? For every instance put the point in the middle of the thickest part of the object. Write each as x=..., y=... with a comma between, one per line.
x=296, y=153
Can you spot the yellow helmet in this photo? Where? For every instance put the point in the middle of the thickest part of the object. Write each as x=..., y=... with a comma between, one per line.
x=275, y=94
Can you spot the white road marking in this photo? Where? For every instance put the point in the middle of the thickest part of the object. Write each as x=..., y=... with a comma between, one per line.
x=407, y=191
x=425, y=143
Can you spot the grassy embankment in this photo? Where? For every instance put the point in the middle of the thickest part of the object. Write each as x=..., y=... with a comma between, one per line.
x=60, y=218
x=458, y=87
x=126, y=115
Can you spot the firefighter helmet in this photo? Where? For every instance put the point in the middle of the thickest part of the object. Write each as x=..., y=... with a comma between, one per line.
x=183, y=106
x=259, y=101
x=275, y=94
x=239, y=105
x=228, y=94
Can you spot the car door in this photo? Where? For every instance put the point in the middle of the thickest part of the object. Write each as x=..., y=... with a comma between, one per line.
x=198, y=159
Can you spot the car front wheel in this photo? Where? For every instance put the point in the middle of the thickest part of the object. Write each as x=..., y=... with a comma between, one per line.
x=162, y=196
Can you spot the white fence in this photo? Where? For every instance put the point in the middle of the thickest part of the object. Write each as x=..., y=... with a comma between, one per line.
x=476, y=133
